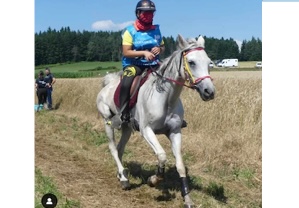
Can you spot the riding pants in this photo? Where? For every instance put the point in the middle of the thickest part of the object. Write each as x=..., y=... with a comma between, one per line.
x=42, y=95
x=130, y=72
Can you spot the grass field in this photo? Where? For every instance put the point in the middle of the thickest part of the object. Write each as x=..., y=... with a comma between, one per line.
x=96, y=69
x=222, y=149
x=75, y=67
x=81, y=69
x=44, y=184
x=247, y=64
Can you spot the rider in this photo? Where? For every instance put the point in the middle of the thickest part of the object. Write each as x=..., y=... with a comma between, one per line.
x=141, y=45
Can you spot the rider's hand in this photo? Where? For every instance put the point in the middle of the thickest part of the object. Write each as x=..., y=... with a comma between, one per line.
x=156, y=50
x=149, y=56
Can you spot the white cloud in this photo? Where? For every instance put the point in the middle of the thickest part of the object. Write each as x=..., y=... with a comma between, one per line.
x=109, y=25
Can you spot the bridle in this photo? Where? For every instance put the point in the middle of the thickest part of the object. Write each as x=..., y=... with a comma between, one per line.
x=191, y=81
x=190, y=77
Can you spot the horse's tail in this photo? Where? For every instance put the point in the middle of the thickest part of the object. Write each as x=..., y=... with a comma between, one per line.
x=111, y=77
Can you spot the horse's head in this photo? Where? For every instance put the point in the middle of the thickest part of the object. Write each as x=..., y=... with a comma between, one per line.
x=195, y=67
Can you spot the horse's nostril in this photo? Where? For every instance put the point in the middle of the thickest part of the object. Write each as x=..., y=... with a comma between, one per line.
x=209, y=93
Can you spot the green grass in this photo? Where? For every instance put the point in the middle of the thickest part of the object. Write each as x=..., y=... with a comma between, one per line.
x=44, y=185
x=94, y=69
x=81, y=69
x=245, y=176
x=79, y=66
x=82, y=130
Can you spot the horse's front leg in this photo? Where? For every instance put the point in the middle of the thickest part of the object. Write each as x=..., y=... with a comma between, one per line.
x=151, y=138
x=176, y=141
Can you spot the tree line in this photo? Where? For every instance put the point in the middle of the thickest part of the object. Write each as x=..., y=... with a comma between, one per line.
x=64, y=45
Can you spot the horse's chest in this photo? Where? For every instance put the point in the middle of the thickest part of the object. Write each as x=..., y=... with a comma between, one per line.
x=157, y=115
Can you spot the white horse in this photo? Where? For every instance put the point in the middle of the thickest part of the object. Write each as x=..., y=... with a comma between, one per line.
x=159, y=109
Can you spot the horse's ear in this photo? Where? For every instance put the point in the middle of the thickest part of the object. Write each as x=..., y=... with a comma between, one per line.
x=181, y=42
x=201, y=41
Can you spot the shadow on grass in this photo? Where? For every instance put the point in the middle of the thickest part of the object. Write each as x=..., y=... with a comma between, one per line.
x=172, y=182
x=58, y=103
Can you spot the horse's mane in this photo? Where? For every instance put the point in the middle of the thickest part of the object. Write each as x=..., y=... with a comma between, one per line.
x=175, y=58
x=169, y=62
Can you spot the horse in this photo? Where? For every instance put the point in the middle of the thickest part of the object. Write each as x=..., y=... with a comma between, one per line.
x=187, y=66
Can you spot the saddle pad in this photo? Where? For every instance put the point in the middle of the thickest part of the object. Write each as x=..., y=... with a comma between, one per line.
x=133, y=100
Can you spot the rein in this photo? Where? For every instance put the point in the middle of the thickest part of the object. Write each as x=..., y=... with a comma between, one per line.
x=187, y=70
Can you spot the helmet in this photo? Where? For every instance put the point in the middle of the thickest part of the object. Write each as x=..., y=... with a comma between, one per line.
x=145, y=5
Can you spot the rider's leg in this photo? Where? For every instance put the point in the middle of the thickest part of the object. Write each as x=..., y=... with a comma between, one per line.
x=128, y=76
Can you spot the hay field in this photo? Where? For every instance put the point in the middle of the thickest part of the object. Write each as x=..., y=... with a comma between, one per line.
x=222, y=148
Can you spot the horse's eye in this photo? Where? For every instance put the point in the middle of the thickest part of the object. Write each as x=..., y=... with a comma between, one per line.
x=191, y=63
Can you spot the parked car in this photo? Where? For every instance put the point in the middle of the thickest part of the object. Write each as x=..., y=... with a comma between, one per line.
x=228, y=63
x=258, y=64
x=220, y=64
x=211, y=65
x=216, y=62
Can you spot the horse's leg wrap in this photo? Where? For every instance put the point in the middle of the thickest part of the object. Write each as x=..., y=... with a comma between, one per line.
x=184, y=186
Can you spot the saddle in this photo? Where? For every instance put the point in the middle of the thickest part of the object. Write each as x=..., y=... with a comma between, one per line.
x=138, y=81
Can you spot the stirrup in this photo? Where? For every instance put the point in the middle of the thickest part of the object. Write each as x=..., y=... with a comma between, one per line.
x=115, y=122
x=126, y=117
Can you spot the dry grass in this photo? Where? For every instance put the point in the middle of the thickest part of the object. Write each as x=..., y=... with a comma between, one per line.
x=242, y=64
x=247, y=64
x=222, y=147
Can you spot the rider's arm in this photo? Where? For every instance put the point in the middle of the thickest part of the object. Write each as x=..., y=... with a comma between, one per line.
x=53, y=80
x=158, y=49
x=129, y=53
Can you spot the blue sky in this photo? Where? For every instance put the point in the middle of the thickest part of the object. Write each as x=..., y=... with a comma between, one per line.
x=237, y=19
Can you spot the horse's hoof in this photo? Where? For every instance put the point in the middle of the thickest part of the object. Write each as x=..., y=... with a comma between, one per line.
x=189, y=206
x=125, y=185
x=184, y=124
x=153, y=181
x=150, y=183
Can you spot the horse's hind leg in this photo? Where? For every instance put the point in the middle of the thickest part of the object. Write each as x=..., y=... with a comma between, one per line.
x=176, y=140
x=126, y=132
x=122, y=176
x=125, y=135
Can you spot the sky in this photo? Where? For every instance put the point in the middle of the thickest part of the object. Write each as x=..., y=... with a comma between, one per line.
x=237, y=19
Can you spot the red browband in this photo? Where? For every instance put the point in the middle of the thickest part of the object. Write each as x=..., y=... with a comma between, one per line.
x=194, y=49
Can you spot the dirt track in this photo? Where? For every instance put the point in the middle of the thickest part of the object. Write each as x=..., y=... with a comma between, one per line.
x=87, y=173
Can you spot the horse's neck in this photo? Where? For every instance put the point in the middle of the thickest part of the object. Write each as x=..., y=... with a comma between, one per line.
x=174, y=94
x=170, y=90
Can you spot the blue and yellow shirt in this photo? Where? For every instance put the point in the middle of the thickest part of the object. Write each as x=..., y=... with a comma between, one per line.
x=141, y=40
